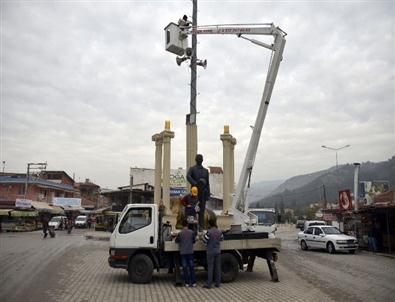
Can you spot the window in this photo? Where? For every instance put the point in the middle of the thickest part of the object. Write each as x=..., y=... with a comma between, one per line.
x=332, y=231
x=317, y=231
x=135, y=218
x=265, y=218
x=309, y=231
x=167, y=36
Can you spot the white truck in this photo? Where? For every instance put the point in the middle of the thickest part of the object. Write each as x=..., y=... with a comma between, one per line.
x=266, y=220
x=142, y=242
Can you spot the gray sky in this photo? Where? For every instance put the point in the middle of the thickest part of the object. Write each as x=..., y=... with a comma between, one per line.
x=85, y=84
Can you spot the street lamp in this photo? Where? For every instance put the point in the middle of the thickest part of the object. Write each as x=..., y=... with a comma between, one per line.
x=336, y=149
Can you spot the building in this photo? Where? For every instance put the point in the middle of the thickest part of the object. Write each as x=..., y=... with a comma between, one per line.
x=16, y=186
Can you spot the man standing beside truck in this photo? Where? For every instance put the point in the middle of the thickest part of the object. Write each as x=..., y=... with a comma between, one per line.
x=212, y=241
x=186, y=239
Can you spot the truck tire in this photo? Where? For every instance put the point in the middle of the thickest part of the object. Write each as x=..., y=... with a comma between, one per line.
x=229, y=267
x=140, y=269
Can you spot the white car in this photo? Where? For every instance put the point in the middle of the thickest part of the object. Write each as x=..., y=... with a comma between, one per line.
x=327, y=237
x=57, y=222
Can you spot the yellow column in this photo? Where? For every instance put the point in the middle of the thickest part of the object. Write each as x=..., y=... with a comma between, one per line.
x=157, y=138
x=167, y=135
x=226, y=139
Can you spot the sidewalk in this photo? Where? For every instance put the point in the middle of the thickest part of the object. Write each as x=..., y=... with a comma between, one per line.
x=97, y=235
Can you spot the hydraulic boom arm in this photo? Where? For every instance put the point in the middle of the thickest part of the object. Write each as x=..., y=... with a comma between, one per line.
x=268, y=29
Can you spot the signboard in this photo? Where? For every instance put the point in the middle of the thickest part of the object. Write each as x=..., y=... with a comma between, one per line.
x=63, y=201
x=329, y=217
x=180, y=191
x=345, y=202
x=368, y=190
x=23, y=203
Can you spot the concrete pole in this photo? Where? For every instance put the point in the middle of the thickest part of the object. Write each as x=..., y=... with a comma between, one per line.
x=191, y=127
x=167, y=135
x=157, y=138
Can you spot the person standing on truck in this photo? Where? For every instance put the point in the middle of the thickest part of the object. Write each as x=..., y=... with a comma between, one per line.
x=198, y=176
x=186, y=239
x=191, y=204
x=212, y=240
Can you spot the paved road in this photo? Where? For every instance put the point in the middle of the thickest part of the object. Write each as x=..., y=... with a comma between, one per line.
x=70, y=268
x=360, y=277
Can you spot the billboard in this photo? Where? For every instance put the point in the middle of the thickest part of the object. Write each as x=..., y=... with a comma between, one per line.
x=63, y=201
x=345, y=202
x=368, y=190
x=23, y=203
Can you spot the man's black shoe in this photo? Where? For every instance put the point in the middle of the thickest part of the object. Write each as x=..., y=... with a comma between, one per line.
x=206, y=286
x=217, y=285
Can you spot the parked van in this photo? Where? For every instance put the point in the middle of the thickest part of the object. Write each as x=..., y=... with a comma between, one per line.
x=81, y=221
x=309, y=223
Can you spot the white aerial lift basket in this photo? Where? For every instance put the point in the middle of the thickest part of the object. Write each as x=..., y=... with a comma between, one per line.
x=176, y=40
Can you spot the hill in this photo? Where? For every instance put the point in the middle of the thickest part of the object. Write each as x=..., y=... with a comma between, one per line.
x=300, y=191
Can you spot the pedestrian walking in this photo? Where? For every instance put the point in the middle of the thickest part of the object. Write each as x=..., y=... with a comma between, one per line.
x=186, y=239
x=45, y=224
x=212, y=240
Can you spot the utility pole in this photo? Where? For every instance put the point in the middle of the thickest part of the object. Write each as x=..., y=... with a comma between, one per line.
x=33, y=166
x=191, y=127
x=324, y=193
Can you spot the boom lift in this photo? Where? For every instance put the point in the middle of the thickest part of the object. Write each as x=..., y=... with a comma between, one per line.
x=142, y=242
x=177, y=43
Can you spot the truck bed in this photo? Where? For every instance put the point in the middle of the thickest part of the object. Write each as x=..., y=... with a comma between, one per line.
x=232, y=244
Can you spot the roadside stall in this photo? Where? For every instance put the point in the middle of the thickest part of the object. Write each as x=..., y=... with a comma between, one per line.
x=4, y=214
x=19, y=221
x=106, y=219
x=45, y=209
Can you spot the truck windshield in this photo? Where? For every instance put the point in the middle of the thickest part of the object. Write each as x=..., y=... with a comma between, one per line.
x=265, y=217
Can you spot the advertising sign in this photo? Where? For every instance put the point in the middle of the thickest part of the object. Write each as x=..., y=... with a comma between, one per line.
x=345, y=202
x=370, y=189
x=23, y=203
x=180, y=191
x=63, y=201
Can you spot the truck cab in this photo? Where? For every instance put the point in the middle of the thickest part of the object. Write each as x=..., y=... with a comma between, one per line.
x=266, y=220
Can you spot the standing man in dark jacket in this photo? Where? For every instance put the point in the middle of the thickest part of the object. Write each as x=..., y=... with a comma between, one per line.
x=186, y=239
x=212, y=241
x=198, y=176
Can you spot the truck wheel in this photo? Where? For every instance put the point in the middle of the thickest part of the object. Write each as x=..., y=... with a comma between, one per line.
x=330, y=248
x=303, y=245
x=229, y=268
x=140, y=269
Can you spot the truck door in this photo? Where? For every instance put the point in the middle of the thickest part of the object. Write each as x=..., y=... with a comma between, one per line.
x=137, y=228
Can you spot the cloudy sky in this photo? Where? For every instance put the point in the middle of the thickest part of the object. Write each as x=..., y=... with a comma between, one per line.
x=85, y=84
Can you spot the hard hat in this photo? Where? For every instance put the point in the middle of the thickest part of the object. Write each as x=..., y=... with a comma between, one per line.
x=194, y=191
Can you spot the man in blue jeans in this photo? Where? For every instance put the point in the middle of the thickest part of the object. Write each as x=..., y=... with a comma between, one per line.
x=186, y=239
x=212, y=240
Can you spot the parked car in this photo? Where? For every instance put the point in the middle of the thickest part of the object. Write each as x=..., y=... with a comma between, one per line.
x=300, y=224
x=57, y=222
x=327, y=237
x=309, y=223
x=81, y=221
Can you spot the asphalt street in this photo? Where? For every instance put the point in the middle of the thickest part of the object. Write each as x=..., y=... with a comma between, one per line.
x=71, y=268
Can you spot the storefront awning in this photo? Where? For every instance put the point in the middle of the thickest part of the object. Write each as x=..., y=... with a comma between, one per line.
x=43, y=207
x=73, y=208
x=4, y=212
x=24, y=213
